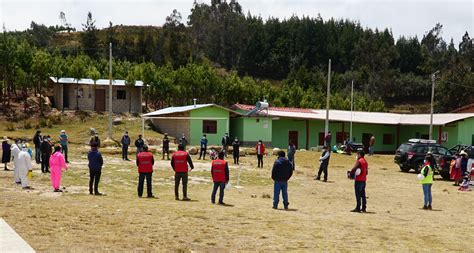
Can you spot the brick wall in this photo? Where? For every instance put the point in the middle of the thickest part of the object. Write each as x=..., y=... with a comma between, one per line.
x=174, y=127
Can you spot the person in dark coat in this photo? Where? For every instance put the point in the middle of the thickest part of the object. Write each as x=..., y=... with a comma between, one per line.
x=323, y=164
x=139, y=143
x=203, y=149
x=183, y=141
x=6, y=152
x=291, y=153
x=327, y=139
x=281, y=173
x=95, y=139
x=46, y=150
x=225, y=143
x=95, y=169
x=125, y=141
x=37, y=140
x=235, y=150
x=166, y=147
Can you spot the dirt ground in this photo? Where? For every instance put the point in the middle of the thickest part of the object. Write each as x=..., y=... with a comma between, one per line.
x=318, y=219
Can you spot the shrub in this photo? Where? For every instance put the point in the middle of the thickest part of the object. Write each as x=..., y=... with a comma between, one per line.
x=27, y=124
x=10, y=126
x=55, y=119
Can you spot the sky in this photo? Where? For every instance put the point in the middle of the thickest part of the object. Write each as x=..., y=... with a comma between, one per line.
x=404, y=17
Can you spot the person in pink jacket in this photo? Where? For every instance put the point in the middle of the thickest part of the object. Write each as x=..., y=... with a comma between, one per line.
x=57, y=163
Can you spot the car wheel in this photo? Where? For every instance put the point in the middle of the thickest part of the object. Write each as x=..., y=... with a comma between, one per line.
x=404, y=168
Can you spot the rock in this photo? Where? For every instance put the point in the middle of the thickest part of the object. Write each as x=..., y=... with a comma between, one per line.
x=241, y=152
x=109, y=143
x=193, y=151
x=266, y=196
x=117, y=121
x=275, y=151
x=217, y=148
x=253, y=195
x=250, y=151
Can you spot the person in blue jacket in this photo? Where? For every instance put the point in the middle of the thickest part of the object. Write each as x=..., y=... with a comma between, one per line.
x=95, y=169
x=202, y=151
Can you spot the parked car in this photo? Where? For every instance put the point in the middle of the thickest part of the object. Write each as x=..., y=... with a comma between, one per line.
x=411, y=155
x=468, y=149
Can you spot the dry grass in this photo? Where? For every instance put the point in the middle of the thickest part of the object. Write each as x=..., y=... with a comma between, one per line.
x=319, y=220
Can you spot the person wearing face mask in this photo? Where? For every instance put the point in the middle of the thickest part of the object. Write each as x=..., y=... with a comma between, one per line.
x=125, y=143
x=15, y=152
x=64, y=141
x=24, y=166
x=359, y=174
x=45, y=154
x=235, y=150
x=260, y=148
x=95, y=140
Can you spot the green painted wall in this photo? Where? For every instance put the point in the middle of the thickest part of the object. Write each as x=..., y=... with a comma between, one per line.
x=196, y=124
x=237, y=128
x=452, y=130
x=281, y=128
x=466, y=131
x=250, y=129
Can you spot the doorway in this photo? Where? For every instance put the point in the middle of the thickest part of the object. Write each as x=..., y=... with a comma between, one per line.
x=293, y=137
x=365, y=141
x=99, y=100
x=65, y=96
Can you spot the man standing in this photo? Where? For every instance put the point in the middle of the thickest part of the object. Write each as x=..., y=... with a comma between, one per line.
x=220, y=177
x=291, y=153
x=236, y=150
x=24, y=166
x=95, y=139
x=125, y=141
x=225, y=143
x=183, y=141
x=139, y=143
x=202, y=151
x=6, y=152
x=260, y=149
x=64, y=141
x=145, y=162
x=371, y=145
x=166, y=147
x=45, y=154
x=327, y=139
x=179, y=163
x=15, y=152
x=323, y=164
x=37, y=140
x=281, y=173
x=95, y=169
x=359, y=174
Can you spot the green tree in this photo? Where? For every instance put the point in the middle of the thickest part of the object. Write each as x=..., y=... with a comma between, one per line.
x=77, y=70
x=42, y=69
x=89, y=37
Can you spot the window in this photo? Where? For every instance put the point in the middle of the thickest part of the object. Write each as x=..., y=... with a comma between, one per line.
x=387, y=139
x=121, y=94
x=209, y=126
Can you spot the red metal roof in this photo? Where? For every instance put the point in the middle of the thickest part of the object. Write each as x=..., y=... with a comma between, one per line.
x=279, y=109
x=466, y=108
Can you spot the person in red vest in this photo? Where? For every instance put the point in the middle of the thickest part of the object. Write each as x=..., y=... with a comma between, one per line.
x=179, y=163
x=220, y=177
x=260, y=148
x=145, y=162
x=359, y=174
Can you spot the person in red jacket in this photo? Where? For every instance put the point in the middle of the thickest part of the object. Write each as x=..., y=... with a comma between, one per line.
x=260, y=148
x=179, y=163
x=359, y=174
x=145, y=162
x=220, y=177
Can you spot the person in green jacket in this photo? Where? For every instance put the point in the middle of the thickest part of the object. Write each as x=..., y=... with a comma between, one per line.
x=427, y=180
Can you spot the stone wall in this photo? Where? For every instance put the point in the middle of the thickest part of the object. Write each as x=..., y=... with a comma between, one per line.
x=174, y=127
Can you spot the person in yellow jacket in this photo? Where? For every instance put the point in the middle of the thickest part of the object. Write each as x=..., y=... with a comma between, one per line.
x=427, y=180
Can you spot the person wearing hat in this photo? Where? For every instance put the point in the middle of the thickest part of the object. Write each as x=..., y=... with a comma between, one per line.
x=145, y=162
x=179, y=163
x=46, y=147
x=225, y=143
x=57, y=163
x=37, y=140
x=166, y=147
x=95, y=169
x=6, y=152
x=323, y=164
x=64, y=141
x=456, y=173
x=24, y=166
x=426, y=180
x=95, y=139
x=125, y=141
x=359, y=173
x=202, y=150
x=464, y=160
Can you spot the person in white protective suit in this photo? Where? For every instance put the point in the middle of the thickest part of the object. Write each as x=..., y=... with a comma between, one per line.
x=15, y=152
x=24, y=166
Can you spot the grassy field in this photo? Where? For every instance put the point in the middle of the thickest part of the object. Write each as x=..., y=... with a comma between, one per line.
x=318, y=219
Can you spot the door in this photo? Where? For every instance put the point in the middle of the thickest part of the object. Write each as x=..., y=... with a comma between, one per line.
x=472, y=140
x=65, y=96
x=100, y=100
x=365, y=141
x=293, y=137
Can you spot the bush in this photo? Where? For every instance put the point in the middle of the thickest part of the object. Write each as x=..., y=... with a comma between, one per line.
x=10, y=126
x=82, y=115
x=42, y=122
x=49, y=123
x=27, y=124
x=55, y=119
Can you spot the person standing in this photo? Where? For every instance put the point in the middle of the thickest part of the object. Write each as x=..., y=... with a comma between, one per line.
x=15, y=152
x=125, y=141
x=95, y=140
x=323, y=164
x=202, y=150
x=359, y=174
x=45, y=154
x=145, y=162
x=166, y=147
x=64, y=141
x=427, y=171
x=464, y=160
x=179, y=163
x=225, y=143
x=183, y=141
x=456, y=173
x=291, y=153
x=236, y=150
x=6, y=152
x=327, y=139
x=139, y=143
x=371, y=145
x=37, y=140
x=24, y=166
x=95, y=169
x=220, y=177
x=57, y=163
x=260, y=149
x=281, y=173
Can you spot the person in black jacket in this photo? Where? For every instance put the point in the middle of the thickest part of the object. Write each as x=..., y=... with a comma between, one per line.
x=166, y=147
x=225, y=143
x=236, y=150
x=46, y=147
x=95, y=168
x=281, y=173
x=37, y=140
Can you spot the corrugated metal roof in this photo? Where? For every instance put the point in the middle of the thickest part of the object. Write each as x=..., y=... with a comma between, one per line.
x=88, y=81
x=177, y=109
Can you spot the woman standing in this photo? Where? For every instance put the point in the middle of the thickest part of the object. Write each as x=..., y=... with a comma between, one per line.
x=236, y=150
x=427, y=180
x=6, y=152
x=57, y=163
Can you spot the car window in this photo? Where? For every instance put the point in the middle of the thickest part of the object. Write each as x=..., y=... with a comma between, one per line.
x=442, y=151
x=420, y=149
x=404, y=147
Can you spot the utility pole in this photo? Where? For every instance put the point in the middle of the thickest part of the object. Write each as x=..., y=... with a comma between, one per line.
x=110, y=91
x=326, y=129
x=352, y=108
x=433, y=78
